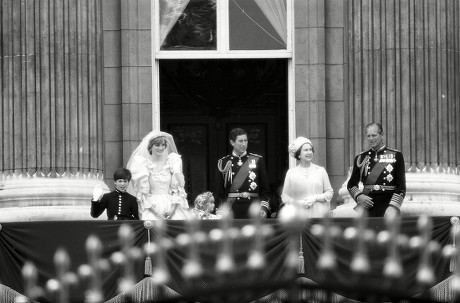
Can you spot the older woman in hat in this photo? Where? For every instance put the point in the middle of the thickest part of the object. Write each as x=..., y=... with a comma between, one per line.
x=307, y=184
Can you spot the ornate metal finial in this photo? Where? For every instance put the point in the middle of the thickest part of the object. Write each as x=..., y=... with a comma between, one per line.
x=327, y=260
x=93, y=270
x=225, y=262
x=256, y=259
x=425, y=275
x=160, y=273
x=193, y=268
x=31, y=288
x=64, y=278
x=452, y=252
x=360, y=234
x=392, y=240
x=126, y=257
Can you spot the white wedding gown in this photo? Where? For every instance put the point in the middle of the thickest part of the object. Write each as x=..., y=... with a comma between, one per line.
x=160, y=188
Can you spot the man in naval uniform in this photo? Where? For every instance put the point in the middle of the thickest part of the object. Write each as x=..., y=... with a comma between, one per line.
x=242, y=178
x=382, y=173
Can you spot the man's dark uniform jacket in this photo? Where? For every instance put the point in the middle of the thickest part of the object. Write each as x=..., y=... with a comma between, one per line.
x=383, y=175
x=240, y=181
x=119, y=205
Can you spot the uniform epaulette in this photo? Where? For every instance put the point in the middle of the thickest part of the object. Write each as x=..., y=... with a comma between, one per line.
x=224, y=157
x=256, y=155
x=394, y=149
x=363, y=152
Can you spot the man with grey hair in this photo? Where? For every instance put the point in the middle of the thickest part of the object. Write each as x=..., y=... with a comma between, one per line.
x=382, y=172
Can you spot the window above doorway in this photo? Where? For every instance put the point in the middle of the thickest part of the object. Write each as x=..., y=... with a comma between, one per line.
x=222, y=28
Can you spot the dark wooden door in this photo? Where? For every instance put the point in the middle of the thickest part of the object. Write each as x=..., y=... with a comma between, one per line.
x=202, y=100
x=202, y=141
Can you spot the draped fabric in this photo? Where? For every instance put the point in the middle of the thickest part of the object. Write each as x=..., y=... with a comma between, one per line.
x=145, y=291
x=7, y=294
x=275, y=11
x=38, y=241
x=170, y=11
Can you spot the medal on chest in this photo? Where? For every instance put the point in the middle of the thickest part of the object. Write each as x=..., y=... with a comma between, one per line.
x=240, y=163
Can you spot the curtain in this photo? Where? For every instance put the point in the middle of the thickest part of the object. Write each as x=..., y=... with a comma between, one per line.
x=170, y=11
x=275, y=11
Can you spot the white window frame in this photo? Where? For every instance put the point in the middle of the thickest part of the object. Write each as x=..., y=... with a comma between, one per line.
x=222, y=52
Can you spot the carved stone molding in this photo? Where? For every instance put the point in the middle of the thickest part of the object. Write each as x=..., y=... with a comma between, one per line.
x=40, y=199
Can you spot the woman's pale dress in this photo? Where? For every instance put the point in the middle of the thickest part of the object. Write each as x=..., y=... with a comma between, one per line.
x=160, y=187
x=301, y=183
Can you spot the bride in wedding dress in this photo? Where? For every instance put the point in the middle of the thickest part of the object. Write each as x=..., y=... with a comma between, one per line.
x=157, y=178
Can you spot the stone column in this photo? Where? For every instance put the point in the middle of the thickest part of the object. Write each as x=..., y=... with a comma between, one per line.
x=51, y=108
x=404, y=70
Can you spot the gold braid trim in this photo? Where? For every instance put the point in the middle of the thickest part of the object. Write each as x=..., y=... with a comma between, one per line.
x=226, y=171
x=362, y=165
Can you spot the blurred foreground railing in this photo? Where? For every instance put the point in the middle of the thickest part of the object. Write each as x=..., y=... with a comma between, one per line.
x=294, y=259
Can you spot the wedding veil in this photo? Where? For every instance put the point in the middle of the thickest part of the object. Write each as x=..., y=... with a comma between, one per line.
x=142, y=150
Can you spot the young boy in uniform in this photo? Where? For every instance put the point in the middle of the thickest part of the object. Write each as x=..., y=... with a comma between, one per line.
x=120, y=205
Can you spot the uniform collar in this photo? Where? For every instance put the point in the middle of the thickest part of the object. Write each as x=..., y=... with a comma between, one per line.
x=236, y=155
x=120, y=192
x=380, y=149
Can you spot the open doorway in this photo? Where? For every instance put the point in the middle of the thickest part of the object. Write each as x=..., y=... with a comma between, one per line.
x=202, y=100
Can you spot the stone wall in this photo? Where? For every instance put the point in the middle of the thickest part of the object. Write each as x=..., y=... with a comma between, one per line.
x=128, y=79
x=320, y=68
